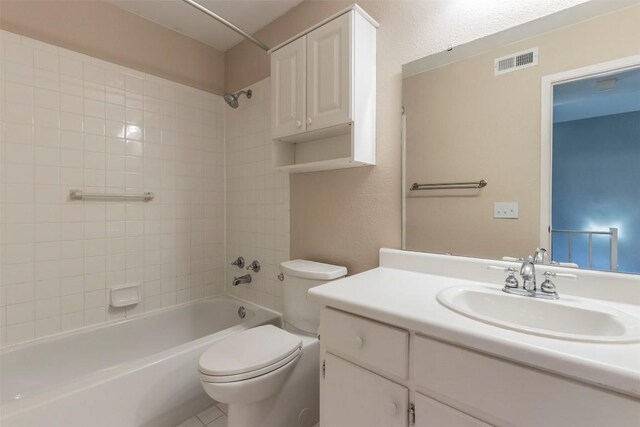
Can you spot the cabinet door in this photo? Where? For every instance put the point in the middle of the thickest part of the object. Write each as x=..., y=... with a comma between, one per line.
x=351, y=396
x=431, y=413
x=288, y=92
x=329, y=72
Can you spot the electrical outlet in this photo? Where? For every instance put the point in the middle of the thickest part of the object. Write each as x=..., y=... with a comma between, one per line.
x=508, y=210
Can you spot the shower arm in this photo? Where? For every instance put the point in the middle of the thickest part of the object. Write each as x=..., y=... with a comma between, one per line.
x=223, y=21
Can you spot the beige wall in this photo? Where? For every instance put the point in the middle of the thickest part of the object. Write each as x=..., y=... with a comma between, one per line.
x=346, y=216
x=464, y=123
x=101, y=30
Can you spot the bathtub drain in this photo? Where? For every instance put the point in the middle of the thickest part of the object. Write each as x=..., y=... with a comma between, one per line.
x=242, y=312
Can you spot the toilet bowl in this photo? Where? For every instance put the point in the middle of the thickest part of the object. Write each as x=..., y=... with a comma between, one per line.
x=272, y=383
x=269, y=376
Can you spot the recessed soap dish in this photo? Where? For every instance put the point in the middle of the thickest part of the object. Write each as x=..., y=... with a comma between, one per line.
x=125, y=295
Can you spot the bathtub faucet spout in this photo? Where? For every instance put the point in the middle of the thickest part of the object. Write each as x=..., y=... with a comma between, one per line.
x=242, y=279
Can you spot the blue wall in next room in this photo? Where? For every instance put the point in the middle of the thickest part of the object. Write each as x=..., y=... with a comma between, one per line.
x=596, y=185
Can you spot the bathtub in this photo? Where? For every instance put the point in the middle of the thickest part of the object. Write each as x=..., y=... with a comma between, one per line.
x=140, y=371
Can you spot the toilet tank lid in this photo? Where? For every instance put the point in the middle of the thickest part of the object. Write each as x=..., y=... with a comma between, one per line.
x=312, y=270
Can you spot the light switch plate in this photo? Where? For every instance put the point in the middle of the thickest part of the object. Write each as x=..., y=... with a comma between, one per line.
x=508, y=210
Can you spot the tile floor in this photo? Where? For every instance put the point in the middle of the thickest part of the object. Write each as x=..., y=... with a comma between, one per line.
x=214, y=416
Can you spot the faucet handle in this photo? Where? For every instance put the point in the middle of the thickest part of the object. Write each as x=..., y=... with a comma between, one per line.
x=547, y=286
x=254, y=266
x=511, y=281
x=239, y=262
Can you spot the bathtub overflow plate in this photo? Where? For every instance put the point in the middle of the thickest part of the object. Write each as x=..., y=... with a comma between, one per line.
x=242, y=312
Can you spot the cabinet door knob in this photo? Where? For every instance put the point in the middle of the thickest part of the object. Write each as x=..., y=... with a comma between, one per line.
x=298, y=123
x=391, y=408
x=309, y=120
x=359, y=341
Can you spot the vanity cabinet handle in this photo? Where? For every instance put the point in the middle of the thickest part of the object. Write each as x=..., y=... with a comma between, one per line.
x=359, y=341
x=298, y=123
x=309, y=121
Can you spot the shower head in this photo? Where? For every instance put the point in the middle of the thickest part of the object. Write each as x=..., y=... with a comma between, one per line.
x=232, y=98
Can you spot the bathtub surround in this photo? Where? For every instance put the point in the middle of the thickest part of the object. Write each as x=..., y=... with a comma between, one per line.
x=257, y=200
x=104, y=31
x=344, y=217
x=70, y=121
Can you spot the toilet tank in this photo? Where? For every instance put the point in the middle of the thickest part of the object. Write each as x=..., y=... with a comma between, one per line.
x=299, y=277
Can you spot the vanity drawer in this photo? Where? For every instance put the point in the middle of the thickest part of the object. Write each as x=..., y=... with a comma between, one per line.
x=376, y=345
x=506, y=393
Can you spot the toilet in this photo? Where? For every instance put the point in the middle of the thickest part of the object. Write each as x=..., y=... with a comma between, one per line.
x=269, y=376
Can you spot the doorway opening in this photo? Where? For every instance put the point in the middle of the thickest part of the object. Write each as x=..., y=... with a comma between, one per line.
x=594, y=169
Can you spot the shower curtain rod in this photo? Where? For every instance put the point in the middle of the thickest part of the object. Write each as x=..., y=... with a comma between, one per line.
x=223, y=21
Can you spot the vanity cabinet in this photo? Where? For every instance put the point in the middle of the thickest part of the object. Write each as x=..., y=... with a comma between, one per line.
x=354, y=396
x=323, y=103
x=379, y=375
x=366, y=378
x=503, y=392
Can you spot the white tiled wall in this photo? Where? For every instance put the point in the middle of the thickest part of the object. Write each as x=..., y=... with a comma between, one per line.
x=69, y=121
x=257, y=199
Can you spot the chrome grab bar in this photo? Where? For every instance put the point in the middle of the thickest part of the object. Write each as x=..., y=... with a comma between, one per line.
x=81, y=195
x=449, y=185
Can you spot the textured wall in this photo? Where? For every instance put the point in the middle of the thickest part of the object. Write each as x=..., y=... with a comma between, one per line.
x=345, y=216
x=104, y=31
x=69, y=121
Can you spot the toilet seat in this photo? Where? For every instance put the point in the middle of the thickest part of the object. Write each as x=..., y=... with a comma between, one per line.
x=252, y=374
x=249, y=354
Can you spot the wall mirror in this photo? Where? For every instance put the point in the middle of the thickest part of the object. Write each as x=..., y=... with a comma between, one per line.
x=529, y=138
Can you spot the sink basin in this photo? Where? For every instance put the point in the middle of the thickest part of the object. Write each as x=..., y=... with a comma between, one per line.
x=569, y=319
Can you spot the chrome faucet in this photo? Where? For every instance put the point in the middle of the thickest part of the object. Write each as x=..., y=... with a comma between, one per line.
x=541, y=256
x=528, y=273
x=529, y=286
x=242, y=279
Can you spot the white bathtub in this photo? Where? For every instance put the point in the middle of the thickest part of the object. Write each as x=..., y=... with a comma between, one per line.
x=140, y=371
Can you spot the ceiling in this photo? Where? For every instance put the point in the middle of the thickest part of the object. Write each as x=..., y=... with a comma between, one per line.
x=249, y=15
x=616, y=93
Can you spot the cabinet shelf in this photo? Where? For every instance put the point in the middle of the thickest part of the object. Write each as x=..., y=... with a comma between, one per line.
x=340, y=163
x=318, y=135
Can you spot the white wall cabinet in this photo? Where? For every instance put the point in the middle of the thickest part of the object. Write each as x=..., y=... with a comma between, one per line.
x=373, y=376
x=323, y=103
x=329, y=68
x=288, y=80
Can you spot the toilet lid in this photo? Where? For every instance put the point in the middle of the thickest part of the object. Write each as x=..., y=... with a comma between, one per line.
x=292, y=358
x=249, y=350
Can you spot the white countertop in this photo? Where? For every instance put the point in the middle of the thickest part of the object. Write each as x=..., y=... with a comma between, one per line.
x=407, y=299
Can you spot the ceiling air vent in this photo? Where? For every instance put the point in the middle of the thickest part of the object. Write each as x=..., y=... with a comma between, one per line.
x=516, y=61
